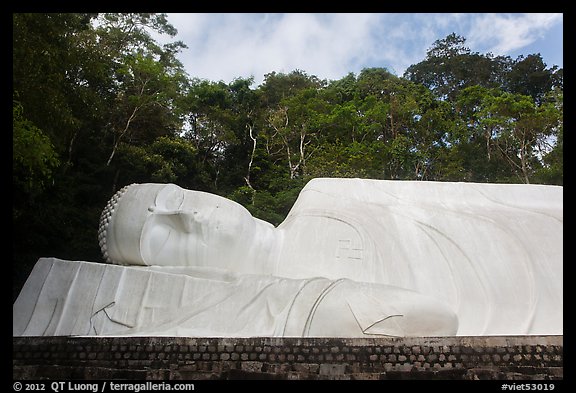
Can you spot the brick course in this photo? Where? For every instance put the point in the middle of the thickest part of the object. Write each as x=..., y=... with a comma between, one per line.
x=181, y=358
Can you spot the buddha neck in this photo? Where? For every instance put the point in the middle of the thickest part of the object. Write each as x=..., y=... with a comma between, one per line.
x=262, y=253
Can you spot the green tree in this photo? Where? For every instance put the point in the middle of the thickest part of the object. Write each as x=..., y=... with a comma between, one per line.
x=530, y=76
x=451, y=66
x=296, y=125
x=521, y=129
x=52, y=72
x=552, y=151
x=509, y=131
x=143, y=106
x=278, y=86
x=291, y=107
x=74, y=80
x=33, y=156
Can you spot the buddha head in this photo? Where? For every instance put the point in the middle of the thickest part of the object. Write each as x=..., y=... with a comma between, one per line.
x=166, y=225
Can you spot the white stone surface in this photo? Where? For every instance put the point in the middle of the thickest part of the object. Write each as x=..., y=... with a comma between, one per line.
x=354, y=258
x=492, y=252
x=83, y=298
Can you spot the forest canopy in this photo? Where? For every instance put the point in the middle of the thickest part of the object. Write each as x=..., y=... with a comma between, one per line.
x=99, y=104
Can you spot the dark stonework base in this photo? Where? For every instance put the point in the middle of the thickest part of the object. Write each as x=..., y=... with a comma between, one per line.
x=180, y=358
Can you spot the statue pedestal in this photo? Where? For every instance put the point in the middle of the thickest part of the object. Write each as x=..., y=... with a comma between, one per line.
x=76, y=298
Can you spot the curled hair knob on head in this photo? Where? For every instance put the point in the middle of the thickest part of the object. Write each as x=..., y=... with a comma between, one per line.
x=105, y=218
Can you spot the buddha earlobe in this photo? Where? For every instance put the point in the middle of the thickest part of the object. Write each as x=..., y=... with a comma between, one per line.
x=189, y=222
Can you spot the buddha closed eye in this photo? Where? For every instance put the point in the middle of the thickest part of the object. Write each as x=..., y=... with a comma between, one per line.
x=193, y=228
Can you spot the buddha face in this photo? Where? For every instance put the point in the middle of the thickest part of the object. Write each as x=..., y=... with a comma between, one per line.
x=166, y=225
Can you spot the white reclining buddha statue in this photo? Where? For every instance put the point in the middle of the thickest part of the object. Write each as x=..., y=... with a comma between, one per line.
x=353, y=258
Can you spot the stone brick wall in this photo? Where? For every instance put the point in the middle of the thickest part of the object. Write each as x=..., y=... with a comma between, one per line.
x=169, y=358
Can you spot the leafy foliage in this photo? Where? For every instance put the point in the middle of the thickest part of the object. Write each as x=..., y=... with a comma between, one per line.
x=33, y=155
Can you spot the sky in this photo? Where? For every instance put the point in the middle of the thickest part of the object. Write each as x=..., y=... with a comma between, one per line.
x=226, y=46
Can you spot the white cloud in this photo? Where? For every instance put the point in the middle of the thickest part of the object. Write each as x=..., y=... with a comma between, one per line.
x=234, y=45
x=227, y=46
x=503, y=33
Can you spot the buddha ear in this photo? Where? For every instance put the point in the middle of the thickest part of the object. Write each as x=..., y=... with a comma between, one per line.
x=185, y=221
x=169, y=198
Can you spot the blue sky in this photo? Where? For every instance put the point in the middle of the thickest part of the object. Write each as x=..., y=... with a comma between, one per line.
x=222, y=47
